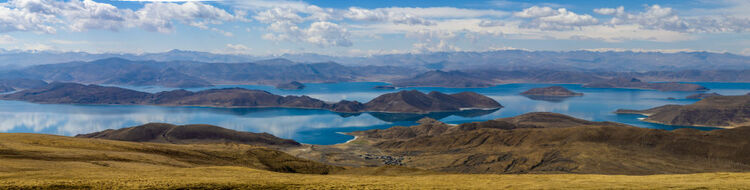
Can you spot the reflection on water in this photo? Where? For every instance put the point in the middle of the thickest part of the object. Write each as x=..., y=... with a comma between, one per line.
x=548, y=98
x=322, y=126
x=283, y=122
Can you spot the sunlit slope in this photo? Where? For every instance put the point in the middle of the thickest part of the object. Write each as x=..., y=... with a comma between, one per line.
x=19, y=151
x=54, y=162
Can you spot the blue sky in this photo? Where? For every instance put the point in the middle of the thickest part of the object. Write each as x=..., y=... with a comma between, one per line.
x=361, y=27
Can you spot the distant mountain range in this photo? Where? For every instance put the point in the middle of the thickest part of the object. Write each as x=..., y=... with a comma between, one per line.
x=198, y=71
x=185, y=74
x=504, y=59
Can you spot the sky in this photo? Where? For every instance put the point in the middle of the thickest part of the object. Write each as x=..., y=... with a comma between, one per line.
x=367, y=27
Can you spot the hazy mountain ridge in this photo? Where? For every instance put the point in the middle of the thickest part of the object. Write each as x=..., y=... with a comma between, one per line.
x=199, y=74
x=185, y=74
x=502, y=59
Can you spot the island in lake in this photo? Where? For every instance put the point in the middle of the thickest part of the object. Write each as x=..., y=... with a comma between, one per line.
x=551, y=91
x=294, y=85
x=714, y=111
x=400, y=102
x=551, y=94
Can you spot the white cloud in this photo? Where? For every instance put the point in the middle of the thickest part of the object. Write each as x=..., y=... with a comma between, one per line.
x=7, y=39
x=286, y=20
x=87, y=14
x=546, y=18
x=26, y=16
x=535, y=12
x=267, y=4
x=383, y=15
x=46, y=16
x=68, y=42
x=327, y=34
x=745, y=52
x=37, y=47
x=234, y=49
x=323, y=34
x=665, y=18
x=159, y=16
x=444, y=12
x=611, y=11
x=434, y=40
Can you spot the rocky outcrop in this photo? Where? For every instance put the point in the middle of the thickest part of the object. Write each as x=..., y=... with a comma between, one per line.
x=715, y=111
x=551, y=91
x=624, y=82
x=294, y=85
x=188, y=134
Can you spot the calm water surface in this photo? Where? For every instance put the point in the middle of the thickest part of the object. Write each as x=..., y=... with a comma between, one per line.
x=324, y=127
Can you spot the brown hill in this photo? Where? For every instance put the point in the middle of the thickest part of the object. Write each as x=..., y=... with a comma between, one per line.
x=551, y=91
x=554, y=143
x=625, y=82
x=36, y=161
x=188, y=134
x=716, y=111
x=61, y=153
x=72, y=93
x=414, y=101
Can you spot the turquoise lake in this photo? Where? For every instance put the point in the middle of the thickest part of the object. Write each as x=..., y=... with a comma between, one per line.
x=325, y=127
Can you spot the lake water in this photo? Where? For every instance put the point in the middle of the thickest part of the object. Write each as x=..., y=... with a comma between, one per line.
x=324, y=127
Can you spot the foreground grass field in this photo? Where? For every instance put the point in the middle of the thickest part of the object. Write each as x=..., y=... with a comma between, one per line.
x=30, y=161
x=136, y=176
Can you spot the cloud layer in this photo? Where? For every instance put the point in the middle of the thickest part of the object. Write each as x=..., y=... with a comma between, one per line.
x=49, y=16
x=428, y=28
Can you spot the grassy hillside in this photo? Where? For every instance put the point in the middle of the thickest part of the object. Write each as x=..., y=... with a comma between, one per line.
x=54, y=175
x=55, y=162
x=550, y=143
x=56, y=153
